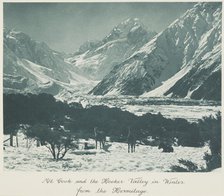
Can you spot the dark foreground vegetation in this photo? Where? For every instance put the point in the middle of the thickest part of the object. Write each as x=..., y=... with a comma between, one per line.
x=57, y=124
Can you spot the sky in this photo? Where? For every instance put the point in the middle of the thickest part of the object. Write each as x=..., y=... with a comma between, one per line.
x=65, y=26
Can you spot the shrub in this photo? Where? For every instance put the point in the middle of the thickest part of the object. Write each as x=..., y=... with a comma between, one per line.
x=186, y=166
x=56, y=139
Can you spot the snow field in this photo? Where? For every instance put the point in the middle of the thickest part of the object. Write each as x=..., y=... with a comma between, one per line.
x=146, y=158
x=190, y=113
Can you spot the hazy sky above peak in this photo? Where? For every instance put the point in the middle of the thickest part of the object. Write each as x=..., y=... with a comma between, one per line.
x=65, y=26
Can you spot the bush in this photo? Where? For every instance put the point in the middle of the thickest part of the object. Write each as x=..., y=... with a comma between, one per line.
x=42, y=109
x=56, y=139
x=211, y=129
x=186, y=166
x=213, y=161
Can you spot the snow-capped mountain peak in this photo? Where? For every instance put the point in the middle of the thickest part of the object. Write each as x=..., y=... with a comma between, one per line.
x=193, y=40
x=31, y=66
x=122, y=29
x=96, y=59
x=184, y=60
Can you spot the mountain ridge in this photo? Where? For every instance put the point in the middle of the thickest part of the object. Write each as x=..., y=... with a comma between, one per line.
x=95, y=59
x=185, y=42
x=31, y=66
x=182, y=61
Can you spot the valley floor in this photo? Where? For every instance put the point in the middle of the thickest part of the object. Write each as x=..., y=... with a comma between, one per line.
x=146, y=158
x=191, y=110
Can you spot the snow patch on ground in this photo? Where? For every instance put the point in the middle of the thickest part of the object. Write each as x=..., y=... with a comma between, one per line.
x=159, y=92
x=189, y=109
x=146, y=158
x=36, y=70
x=190, y=113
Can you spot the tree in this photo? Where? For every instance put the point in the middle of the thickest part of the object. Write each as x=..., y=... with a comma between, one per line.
x=210, y=130
x=58, y=140
x=213, y=128
x=12, y=130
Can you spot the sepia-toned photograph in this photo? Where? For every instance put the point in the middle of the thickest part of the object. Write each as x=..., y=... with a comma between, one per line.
x=112, y=86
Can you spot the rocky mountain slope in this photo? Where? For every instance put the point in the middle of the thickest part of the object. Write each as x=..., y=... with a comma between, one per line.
x=184, y=60
x=31, y=66
x=95, y=59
